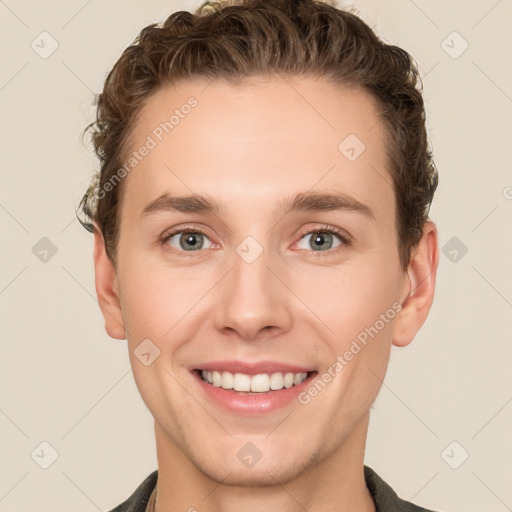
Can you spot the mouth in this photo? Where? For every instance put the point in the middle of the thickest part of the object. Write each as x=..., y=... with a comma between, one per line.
x=252, y=389
x=259, y=384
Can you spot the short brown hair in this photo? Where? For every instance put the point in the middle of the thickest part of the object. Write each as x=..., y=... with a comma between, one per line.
x=237, y=39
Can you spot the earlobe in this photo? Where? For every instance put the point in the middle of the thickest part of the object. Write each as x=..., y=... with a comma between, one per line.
x=107, y=289
x=421, y=275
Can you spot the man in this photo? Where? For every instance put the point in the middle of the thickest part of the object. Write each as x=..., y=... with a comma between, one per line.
x=262, y=240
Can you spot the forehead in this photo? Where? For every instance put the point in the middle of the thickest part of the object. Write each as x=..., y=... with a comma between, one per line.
x=258, y=141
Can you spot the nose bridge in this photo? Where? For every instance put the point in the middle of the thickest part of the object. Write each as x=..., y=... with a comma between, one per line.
x=252, y=299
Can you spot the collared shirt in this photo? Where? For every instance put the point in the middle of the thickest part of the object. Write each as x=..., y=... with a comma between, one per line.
x=385, y=499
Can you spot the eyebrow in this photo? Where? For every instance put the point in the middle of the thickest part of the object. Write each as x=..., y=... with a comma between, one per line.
x=303, y=202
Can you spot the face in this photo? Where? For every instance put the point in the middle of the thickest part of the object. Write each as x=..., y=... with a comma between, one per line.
x=284, y=253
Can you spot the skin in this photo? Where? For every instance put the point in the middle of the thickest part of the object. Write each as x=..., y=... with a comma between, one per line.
x=249, y=147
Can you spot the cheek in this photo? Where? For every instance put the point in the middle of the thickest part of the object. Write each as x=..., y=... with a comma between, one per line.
x=155, y=297
x=350, y=297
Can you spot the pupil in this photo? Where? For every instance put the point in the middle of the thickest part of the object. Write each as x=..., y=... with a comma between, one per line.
x=190, y=241
x=320, y=240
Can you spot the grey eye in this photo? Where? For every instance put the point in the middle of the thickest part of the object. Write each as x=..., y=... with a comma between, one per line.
x=187, y=241
x=320, y=241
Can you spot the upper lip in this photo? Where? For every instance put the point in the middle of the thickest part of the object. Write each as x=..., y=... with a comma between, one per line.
x=252, y=368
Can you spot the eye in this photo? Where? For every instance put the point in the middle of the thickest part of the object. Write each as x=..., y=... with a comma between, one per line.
x=188, y=240
x=323, y=239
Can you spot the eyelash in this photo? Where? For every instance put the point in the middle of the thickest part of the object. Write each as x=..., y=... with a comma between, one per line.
x=345, y=239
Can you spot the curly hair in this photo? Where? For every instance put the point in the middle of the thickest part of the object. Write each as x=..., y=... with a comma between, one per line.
x=239, y=39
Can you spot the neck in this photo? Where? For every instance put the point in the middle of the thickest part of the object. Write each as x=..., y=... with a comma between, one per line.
x=334, y=483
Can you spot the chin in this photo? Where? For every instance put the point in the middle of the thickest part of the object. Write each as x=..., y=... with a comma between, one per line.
x=255, y=462
x=262, y=474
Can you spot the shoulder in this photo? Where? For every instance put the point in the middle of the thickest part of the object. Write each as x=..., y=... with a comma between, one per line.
x=386, y=500
x=138, y=501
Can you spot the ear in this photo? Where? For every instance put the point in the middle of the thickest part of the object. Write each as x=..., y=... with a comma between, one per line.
x=107, y=289
x=419, y=285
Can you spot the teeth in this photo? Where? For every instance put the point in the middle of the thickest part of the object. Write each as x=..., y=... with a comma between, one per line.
x=241, y=382
x=289, y=379
x=217, y=379
x=261, y=383
x=297, y=378
x=276, y=381
x=227, y=380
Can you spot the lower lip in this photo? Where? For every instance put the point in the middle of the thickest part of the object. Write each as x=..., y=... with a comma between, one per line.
x=253, y=404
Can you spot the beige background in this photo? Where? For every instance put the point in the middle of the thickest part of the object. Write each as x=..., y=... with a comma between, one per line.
x=64, y=381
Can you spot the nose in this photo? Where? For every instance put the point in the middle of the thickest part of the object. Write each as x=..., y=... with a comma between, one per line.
x=254, y=302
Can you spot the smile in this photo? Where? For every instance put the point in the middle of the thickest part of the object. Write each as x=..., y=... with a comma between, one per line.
x=260, y=383
x=252, y=395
